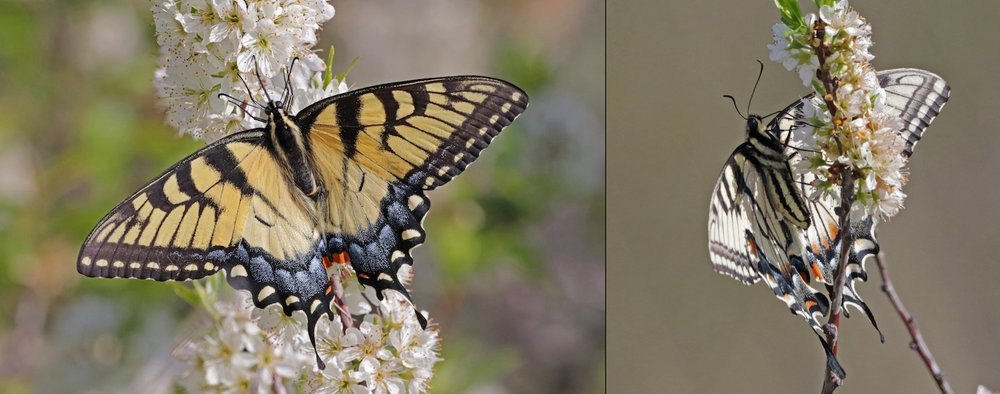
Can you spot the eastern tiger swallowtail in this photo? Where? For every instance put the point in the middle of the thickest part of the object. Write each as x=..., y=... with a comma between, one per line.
x=761, y=226
x=344, y=179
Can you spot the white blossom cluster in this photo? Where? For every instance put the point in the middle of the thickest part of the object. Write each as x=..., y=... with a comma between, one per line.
x=861, y=133
x=247, y=349
x=387, y=353
x=206, y=45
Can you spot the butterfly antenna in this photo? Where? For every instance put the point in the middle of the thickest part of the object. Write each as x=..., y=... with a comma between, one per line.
x=242, y=106
x=249, y=92
x=735, y=106
x=256, y=70
x=771, y=114
x=289, y=93
x=801, y=149
x=752, y=92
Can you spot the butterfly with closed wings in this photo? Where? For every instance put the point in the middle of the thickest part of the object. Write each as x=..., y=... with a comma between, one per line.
x=761, y=225
x=342, y=180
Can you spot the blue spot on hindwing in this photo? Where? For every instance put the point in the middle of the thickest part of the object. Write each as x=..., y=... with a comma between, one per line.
x=260, y=270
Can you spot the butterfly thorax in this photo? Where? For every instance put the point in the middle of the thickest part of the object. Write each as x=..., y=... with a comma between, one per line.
x=763, y=142
x=291, y=146
x=768, y=156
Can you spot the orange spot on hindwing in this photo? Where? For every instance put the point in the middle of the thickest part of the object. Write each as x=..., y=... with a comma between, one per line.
x=817, y=273
x=753, y=245
x=834, y=231
x=341, y=258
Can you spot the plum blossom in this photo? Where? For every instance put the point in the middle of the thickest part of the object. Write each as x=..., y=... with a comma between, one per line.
x=860, y=133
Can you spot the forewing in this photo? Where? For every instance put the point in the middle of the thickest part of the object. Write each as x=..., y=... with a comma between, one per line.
x=728, y=224
x=228, y=206
x=743, y=224
x=180, y=226
x=917, y=96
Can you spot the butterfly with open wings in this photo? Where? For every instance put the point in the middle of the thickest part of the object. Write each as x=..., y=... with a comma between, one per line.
x=342, y=180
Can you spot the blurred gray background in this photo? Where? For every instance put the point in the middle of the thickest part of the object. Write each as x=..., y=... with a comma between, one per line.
x=676, y=326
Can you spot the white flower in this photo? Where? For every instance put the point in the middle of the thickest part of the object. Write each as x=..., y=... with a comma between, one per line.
x=381, y=377
x=286, y=333
x=230, y=16
x=206, y=45
x=198, y=17
x=841, y=18
x=336, y=346
x=779, y=48
x=372, y=346
x=265, y=49
x=335, y=380
x=862, y=135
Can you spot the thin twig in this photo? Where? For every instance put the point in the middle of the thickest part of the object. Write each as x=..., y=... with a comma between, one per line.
x=279, y=386
x=831, y=380
x=917, y=343
x=338, y=295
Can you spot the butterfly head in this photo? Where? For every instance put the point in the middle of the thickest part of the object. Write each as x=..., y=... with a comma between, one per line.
x=275, y=111
x=754, y=125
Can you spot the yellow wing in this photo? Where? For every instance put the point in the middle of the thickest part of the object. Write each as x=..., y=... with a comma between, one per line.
x=229, y=206
x=378, y=149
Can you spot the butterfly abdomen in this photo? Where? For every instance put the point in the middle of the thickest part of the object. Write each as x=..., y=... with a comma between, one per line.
x=292, y=148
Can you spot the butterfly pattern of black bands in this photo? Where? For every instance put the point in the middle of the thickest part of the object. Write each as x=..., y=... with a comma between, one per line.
x=342, y=180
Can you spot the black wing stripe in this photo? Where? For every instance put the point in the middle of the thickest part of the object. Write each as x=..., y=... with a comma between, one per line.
x=917, y=96
x=100, y=257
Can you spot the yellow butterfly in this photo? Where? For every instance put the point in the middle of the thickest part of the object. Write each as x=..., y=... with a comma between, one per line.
x=342, y=180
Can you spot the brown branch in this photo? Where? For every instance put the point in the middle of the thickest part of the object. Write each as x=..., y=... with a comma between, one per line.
x=831, y=380
x=279, y=386
x=346, y=320
x=917, y=343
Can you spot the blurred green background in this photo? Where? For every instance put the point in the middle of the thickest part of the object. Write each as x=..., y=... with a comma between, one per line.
x=676, y=326
x=513, y=270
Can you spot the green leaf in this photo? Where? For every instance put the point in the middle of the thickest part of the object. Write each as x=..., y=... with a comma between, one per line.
x=791, y=15
x=818, y=88
x=340, y=77
x=820, y=3
x=186, y=293
x=328, y=74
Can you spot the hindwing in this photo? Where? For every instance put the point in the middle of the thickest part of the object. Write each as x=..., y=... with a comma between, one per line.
x=749, y=238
